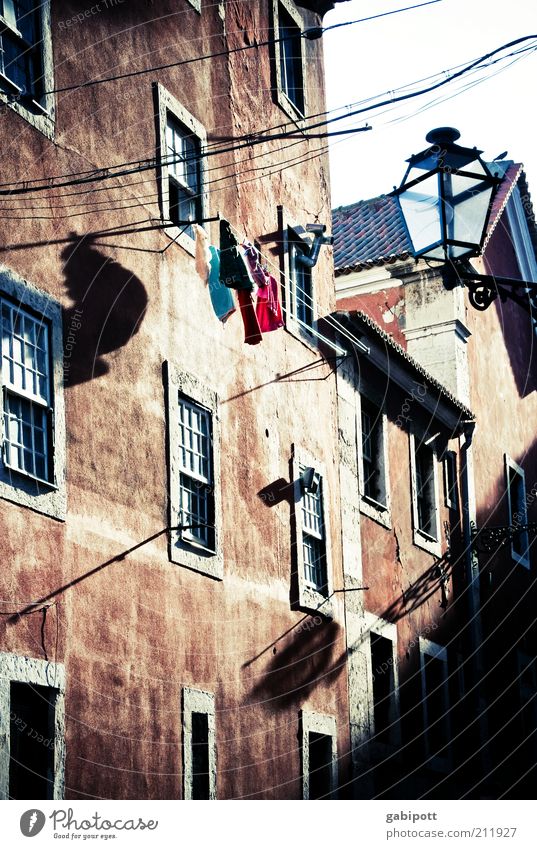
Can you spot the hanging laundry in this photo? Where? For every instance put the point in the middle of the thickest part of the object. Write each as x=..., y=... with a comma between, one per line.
x=221, y=297
x=203, y=254
x=268, y=309
x=234, y=271
x=252, y=331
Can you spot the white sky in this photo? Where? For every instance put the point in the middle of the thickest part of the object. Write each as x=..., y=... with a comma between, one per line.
x=378, y=56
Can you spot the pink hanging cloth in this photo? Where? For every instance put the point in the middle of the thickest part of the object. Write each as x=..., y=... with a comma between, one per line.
x=268, y=309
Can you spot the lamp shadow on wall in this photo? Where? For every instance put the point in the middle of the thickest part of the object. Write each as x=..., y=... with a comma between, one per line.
x=305, y=661
x=109, y=304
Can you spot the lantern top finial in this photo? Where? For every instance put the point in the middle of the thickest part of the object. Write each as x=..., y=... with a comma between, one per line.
x=443, y=135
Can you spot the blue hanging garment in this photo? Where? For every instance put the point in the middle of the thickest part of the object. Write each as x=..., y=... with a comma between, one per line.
x=221, y=297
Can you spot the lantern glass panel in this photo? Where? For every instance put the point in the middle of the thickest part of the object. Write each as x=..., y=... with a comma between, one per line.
x=421, y=209
x=471, y=209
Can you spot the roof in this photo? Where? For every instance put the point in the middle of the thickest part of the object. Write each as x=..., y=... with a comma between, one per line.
x=369, y=232
x=373, y=232
x=410, y=362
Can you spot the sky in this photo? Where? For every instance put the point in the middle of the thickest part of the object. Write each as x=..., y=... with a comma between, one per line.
x=375, y=57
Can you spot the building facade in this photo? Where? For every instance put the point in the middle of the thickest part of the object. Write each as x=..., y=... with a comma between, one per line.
x=486, y=360
x=169, y=621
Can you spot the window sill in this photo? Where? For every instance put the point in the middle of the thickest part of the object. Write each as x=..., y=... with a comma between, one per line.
x=427, y=543
x=37, y=481
x=196, y=557
x=378, y=512
x=520, y=559
x=314, y=601
x=302, y=334
x=290, y=109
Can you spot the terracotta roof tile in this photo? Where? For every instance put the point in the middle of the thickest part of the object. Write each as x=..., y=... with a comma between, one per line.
x=368, y=232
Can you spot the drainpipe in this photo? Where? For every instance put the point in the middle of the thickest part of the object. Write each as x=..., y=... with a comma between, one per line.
x=475, y=646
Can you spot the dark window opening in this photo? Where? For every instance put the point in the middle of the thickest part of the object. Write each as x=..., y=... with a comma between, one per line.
x=291, y=74
x=425, y=491
x=200, y=756
x=374, y=475
x=435, y=703
x=382, y=666
x=21, y=63
x=183, y=158
x=320, y=765
x=31, y=765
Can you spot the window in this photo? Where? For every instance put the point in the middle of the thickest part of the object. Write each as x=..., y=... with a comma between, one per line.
x=26, y=60
x=32, y=469
x=313, y=532
x=182, y=139
x=310, y=539
x=301, y=305
x=289, y=58
x=383, y=686
x=435, y=702
x=184, y=175
x=518, y=510
x=319, y=756
x=32, y=728
x=199, y=744
x=450, y=480
x=27, y=392
x=373, y=461
x=194, y=473
x=424, y=495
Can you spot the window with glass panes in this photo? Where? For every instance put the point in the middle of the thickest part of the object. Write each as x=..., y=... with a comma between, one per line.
x=313, y=538
x=426, y=491
x=290, y=48
x=196, y=474
x=21, y=62
x=26, y=392
x=301, y=284
x=373, y=466
x=184, y=175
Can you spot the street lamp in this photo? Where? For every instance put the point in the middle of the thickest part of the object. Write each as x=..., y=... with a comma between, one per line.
x=445, y=199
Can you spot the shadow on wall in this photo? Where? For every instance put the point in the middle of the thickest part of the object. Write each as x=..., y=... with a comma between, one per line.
x=305, y=662
x=109, y=306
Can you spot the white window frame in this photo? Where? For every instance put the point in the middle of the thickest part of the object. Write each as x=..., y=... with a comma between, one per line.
x=369, y=506
x=198, y=701
x=449, y=467
x=168, y=106
x=420, y=537
x=196, y=4
x=429, y=649
x=282, y=97
x=48, y=497
x=388, y=630
x=310, y=598
x=41, y=673
x=39, y=115
x=183, y=548
x=522, y=559
x=317, y=723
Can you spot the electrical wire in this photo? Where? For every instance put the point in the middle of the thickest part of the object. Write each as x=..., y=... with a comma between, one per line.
x=228, y=52
x=98, y=175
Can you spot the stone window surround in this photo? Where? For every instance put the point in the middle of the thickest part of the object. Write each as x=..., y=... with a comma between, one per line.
x=509, y=463
x=368, y=506
x=388, y=630
x=421, y=539
x=50, y=500
x=42, y=673
x=309, y=598
x=427, y=647
x=281, y=98
x=198, y=701
x=167, y=103
x=41, y=120
x=317, y=723
x=185, y=552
